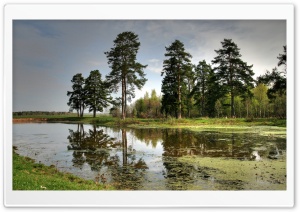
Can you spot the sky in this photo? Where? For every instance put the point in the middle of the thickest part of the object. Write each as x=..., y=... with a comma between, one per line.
x=48, y=53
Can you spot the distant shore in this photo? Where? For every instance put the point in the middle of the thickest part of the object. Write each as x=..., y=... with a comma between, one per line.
x=268, y=126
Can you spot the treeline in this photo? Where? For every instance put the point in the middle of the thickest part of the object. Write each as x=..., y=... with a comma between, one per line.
x=224, y=88
x=27, y=113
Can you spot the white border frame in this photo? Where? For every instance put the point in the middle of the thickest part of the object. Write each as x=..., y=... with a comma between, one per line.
x=146, y=198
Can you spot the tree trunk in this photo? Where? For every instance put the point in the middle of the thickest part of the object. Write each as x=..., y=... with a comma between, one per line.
x=125, y=103
x=94, y=112
x=232, y=105
x=123, y=98
x=202, y=99
x=260, y=111
x=179, y=98
x=81, y=113
x=231, y=88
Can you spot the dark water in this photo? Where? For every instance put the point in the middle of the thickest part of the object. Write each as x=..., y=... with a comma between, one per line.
x=139, y=159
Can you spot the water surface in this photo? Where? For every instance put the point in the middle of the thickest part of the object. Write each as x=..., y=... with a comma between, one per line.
x=157, y=159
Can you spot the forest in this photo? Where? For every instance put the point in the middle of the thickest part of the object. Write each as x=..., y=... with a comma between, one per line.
x=224, y=87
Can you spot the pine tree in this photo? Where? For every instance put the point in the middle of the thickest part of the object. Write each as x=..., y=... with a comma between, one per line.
x=233, y=74
x=202, y=76
x=124, y=68
x=97, y=93
x=276, y=79
x=77, y=96
x=282, y=58
x=175, y=69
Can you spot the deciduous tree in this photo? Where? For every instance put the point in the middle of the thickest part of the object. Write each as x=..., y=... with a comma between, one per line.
x=260, y=94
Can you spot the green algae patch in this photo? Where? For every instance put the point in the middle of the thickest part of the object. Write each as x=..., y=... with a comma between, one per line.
x=270, y=131
x=233, y=174
x=234, y=127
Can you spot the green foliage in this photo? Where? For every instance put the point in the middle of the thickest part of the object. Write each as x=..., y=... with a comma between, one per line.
x=280, y=105
x=238, y=105
x=148, y=107
x=276, y=80
x=218, y=107
x=203, y=74
x=260, y=94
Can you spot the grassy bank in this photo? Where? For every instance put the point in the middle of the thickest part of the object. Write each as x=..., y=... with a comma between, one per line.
x=107, y=120
x=28, y=175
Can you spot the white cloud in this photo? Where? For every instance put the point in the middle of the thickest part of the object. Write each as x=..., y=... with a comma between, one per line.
x=154, y=61
x=155, y=65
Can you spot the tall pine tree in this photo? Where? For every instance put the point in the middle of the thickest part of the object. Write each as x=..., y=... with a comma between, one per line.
x=175, y=69
x=124, y=68
x=233, y=74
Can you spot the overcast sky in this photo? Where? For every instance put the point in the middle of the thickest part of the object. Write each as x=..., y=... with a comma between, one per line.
x=46, y=54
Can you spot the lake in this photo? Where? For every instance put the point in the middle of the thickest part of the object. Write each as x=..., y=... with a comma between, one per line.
x=157, y=159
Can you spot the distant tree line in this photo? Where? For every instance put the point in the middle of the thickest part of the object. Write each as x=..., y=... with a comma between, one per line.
x=26, y=113
x=226, y=89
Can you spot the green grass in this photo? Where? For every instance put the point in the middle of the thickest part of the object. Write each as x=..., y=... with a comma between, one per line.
x=28, y=175
x=205, y=123
x=106, y=120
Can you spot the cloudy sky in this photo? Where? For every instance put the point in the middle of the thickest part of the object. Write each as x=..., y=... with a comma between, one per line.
x=46, y=54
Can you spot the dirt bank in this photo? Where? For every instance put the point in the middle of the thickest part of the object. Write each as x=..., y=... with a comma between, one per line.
x=25, y=120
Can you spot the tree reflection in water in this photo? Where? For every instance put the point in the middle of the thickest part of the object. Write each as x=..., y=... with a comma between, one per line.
x=177, y=143
x=90, y=147
x=94, y=147
x=115, y=161
x=128, y=175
